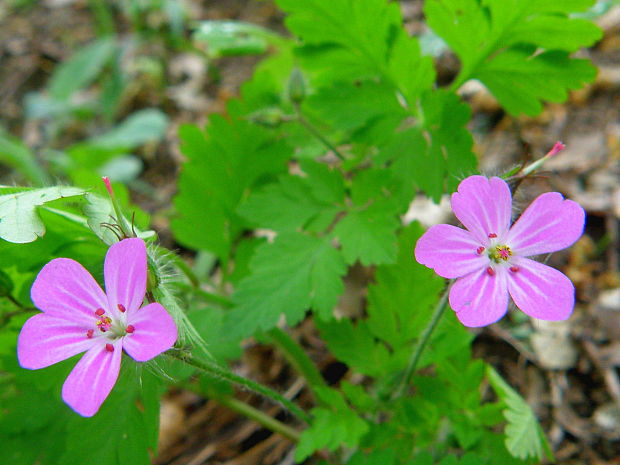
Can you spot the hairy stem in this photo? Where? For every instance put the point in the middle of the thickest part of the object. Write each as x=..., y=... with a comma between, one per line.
x=297, y=357
x=216, y=371
x=301, y=119
x=254, y=414
x=421, y=345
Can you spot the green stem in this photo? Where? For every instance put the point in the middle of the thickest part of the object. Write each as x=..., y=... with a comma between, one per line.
x=260, y=417
x=186, y=270
x=297, y=357
x=316, y=133
x=421, y=345
x=214, y=370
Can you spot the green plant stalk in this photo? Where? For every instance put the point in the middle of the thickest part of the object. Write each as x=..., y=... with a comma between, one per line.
x=216, y=371
x=421, y=345
x=301, y=119
x=297, y=357
x=254, y=414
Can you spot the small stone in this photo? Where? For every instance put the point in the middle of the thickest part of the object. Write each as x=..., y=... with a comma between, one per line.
x=553, y=345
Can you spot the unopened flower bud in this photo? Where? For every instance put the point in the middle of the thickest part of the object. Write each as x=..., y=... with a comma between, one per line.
x=296, y=86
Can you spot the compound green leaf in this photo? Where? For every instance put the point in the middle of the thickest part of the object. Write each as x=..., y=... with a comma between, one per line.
x=524, y=437
x=520, y=78
x=400, y=300
x=289, y=276
x=223, y=165
x=331, y=426
x=489, y=37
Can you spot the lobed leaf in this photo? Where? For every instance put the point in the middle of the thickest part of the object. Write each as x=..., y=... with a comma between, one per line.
x=289, y=276
x=524, y=436
x=19, y=220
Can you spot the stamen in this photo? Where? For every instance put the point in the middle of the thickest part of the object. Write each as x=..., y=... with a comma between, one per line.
x=99, y=311
x=490, y=271
x=89, y=333
x=130, y=329
x=109, y=347
x=104, y=323
x=500, y=253
x=479, y=250
x=122, y=308
x=492, y=235
x=514, y=269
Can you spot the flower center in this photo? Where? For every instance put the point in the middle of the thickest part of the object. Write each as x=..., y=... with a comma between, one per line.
x=113, y=329
x=500, y=253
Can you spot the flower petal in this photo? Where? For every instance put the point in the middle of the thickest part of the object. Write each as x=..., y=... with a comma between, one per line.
x=45, y=340
x=549, y=224
x=541, y=291
x=65, y=289
x=92, y=379
x=154, y=332
x=480, y=299
x=125, y=274
x=450, y=251
x=483, y=206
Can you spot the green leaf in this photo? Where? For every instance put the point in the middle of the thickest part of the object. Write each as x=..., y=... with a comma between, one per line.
x=361, y=27
x=521, y=78
x=524, y=437
x=331, y=427
x=368, y=231
x=437, y=155
x=130, y=437
x=400, y=300
x=229, y=38
x=356, y=346
x=19, y=220
x=289, y=276
x=81, y=69
x=223, y=165
x=137, y=129
x=489, y=37
x=408, y=69
x=349, y=106
x=16, y=154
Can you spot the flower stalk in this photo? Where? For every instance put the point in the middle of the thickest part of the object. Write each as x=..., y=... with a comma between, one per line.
x=422, y=342
x=216, y=371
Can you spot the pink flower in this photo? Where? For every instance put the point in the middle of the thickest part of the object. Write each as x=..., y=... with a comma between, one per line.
x=489, y=257
x=78, y=316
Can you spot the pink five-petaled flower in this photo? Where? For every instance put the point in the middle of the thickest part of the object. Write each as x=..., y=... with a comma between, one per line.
x=489, y=258
x=78, y=316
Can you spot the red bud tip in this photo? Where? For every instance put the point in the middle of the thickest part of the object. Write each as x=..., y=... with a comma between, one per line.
x=492, y=235
x=108, y=185
x=479, y=250
x=89, y=333
x=122, y=308
x=130, y=329
x=490, y=271
x=99, y=311
x=514, y=269
x=109, y=347
x=558, y=147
